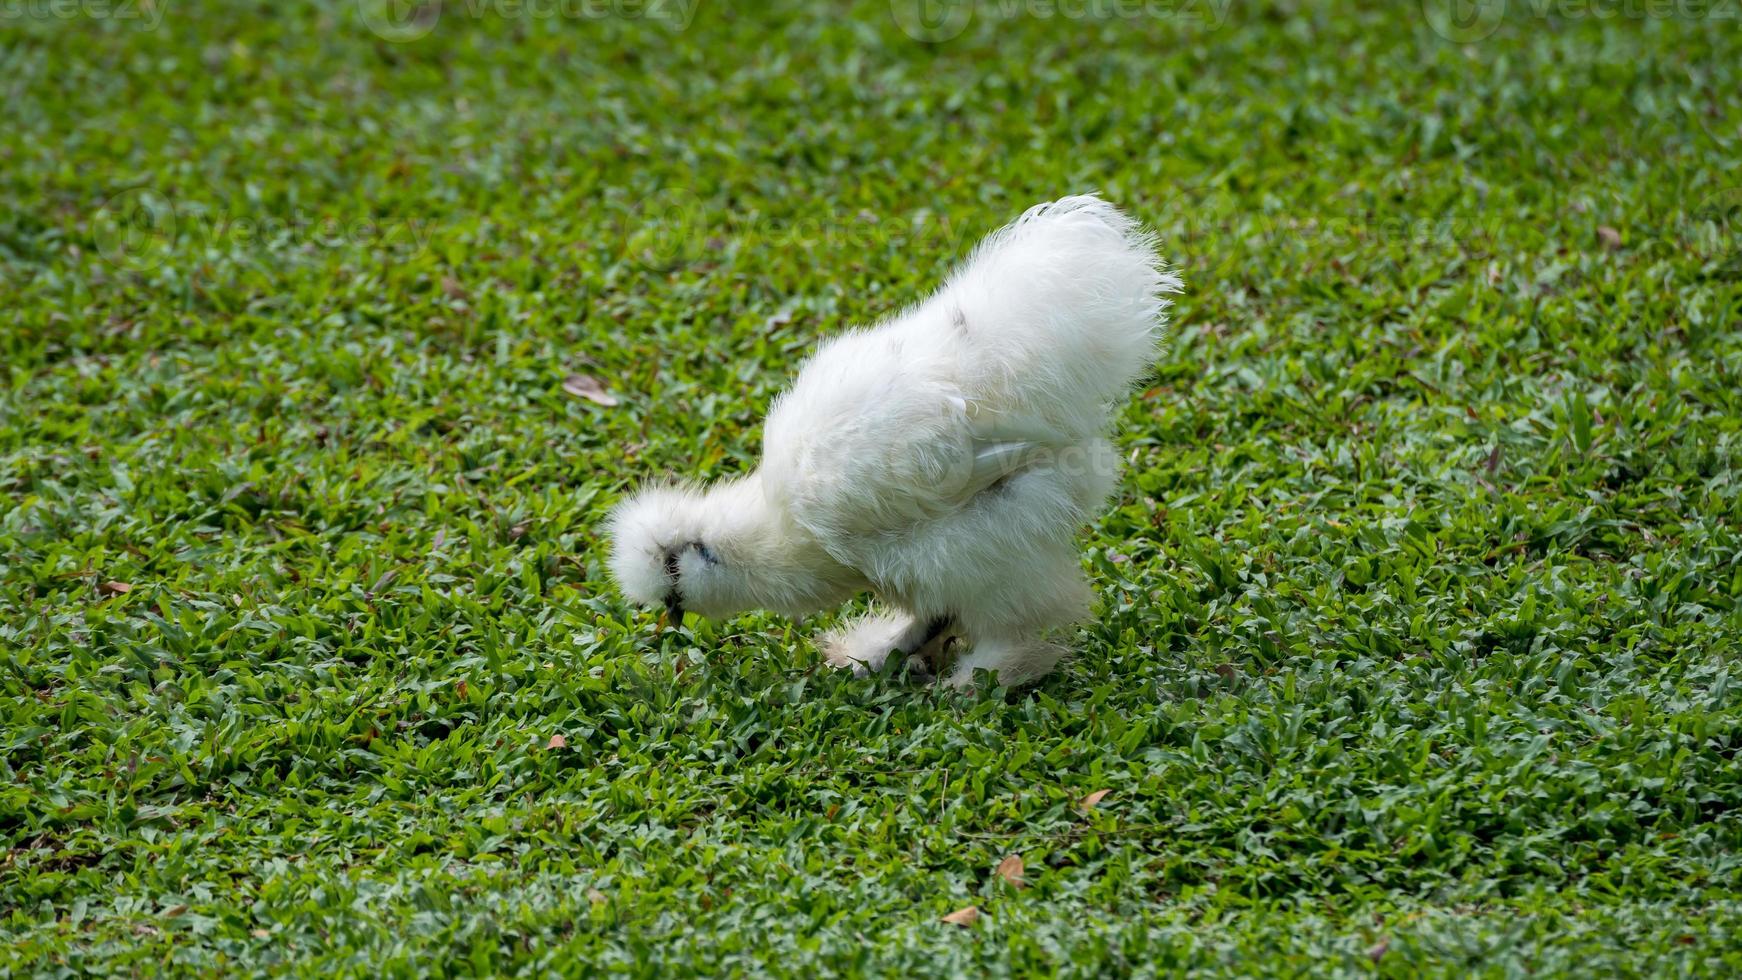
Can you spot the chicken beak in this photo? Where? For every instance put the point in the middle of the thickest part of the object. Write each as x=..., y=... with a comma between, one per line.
x=673, y=617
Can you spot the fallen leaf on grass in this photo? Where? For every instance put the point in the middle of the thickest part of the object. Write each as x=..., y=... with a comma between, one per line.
x=1010, y=869
x=115, y=588
x=1378, y=950
x=174, y=910
x=964, y=917
x=556, y=742
x=1088, y=802
x=1610, y=238
x=588, y=387
x=596, y=896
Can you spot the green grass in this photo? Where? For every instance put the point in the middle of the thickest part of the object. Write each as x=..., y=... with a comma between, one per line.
x=1418, y=631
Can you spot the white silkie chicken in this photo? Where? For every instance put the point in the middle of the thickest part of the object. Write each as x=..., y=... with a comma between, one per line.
x=945, y=459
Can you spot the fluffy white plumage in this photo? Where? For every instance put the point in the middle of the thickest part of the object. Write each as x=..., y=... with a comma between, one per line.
x=945, y=459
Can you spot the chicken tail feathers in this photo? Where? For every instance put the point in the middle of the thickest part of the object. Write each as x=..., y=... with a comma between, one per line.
x=1062, y=310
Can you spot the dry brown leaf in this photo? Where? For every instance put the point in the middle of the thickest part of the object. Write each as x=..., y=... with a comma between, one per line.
x=1088, y=802
x=588, y=387
x=174, y=910
x=596, y=896
x=556, y=742
x=964, y=917
x=1378, y=950
x=1010, y=869
x=115, y=588
x=262, y=933
x=1610, y=238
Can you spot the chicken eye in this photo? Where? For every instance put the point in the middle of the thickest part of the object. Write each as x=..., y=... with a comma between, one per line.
x=672, y=571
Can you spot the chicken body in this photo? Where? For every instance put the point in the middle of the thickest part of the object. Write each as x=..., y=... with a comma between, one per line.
x=946, y=459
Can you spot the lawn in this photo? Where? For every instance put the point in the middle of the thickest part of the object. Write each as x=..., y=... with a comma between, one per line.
x=329, y=333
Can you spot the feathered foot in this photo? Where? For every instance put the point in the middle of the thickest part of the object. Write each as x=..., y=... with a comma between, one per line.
x=1014, y=660
x=866, y=644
